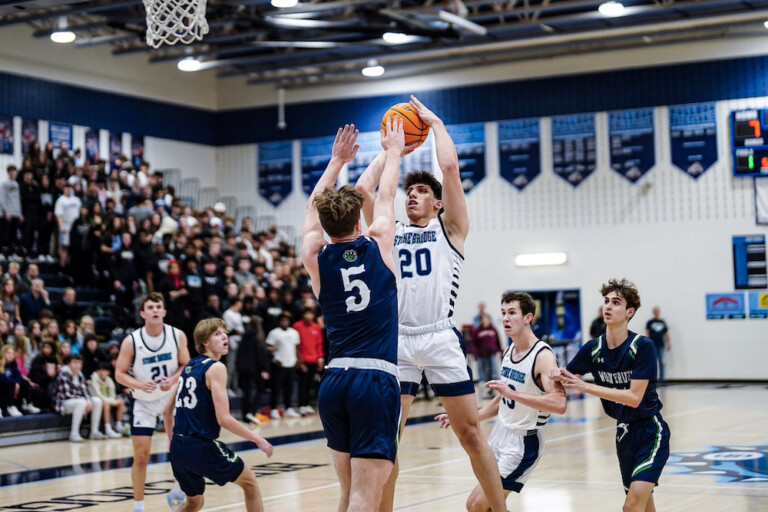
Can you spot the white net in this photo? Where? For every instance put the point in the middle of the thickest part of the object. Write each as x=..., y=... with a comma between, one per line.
x=173, y=21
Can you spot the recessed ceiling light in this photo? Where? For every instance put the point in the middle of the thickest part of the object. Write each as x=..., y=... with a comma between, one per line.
x=540, y=259
x=189, y=64
x=373, y=69
x=282, y=4
x=395, y=37
x=63, y=36
x=611, y=9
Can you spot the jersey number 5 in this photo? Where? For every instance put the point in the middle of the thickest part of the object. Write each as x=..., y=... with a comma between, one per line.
x=189, y=401
x=349, y=285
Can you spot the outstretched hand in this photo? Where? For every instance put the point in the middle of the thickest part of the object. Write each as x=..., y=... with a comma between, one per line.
x=502, y=387
x=265, y=446
x=567, y=379
x=443, y=419
x=393, y=138
x=345, y=147
x=425, y=114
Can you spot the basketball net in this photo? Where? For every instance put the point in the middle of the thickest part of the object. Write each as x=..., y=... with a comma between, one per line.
x=173, y=21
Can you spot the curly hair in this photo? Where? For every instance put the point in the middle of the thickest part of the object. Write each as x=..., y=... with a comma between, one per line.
x=423, y=178
x=625, y=289
x=339, y=210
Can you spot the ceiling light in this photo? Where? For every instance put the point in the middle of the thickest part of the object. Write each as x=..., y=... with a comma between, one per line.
x=189, y=64
x=765, y=24
x=540, y=259
x=373, y=68
x=611, y=9
x=282, y=4
x=395, y=37
x=63, y=36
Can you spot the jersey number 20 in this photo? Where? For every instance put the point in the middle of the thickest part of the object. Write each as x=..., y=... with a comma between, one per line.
x=423, y=262
x=189, y=401
x=349, y=285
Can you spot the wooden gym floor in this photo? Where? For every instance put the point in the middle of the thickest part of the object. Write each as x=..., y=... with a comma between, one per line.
x=719, y=463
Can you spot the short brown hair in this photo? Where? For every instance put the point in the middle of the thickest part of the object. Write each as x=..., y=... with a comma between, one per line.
x=423, y=178
x=152, y=297
x=339, y=210
x=625, y=289
x=527, y=304
x=204, y=329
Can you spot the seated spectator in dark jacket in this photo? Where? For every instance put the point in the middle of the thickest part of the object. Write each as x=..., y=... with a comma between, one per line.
x=33, y=302
x=43, y=369
x=67, y=308
x=92, y=355
x=213, y=283
x=252, y=365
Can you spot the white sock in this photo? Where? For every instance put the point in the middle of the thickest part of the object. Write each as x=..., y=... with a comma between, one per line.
x=176, y=489
x=138, y=504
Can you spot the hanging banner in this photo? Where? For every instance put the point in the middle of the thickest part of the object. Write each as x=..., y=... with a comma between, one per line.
x=315, y=155
x=726, y=305
x=633, y=149
x=137, y=151
x=574, y=154
x=469, y=140
x=28, y=134
x=370, y=147
x=275, y=171
x=519, y=151
x=6, y=134
x=92, y=145
x=58, y=133
x=693, y=137
x=115, y=148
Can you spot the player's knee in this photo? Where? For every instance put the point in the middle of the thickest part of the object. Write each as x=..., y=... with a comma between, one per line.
x=470, y=437
x=476, y=504
x=195, y=502
x=140, y=459
x=631, y=505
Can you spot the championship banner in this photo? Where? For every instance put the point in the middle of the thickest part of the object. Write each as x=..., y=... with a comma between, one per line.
x=574, y=147
x=6, y=134
x=758, y=304
x=137, y=150
x=275, y=171
x=633, y=151
x=315, y=155
x=92, y=146
x=519, y=151
x=370, y=146
x=726, y=305
x=28, y=134
x=115, y=148
x=693, y=137
x=60, y=132
x=469, y=140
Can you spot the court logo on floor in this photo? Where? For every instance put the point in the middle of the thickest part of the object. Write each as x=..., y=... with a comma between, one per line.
x=748, y=464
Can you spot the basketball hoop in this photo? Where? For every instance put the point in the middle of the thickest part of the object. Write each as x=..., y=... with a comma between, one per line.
x=173, y=21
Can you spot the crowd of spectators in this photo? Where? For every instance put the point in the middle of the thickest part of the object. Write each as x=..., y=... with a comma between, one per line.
x=122, y=232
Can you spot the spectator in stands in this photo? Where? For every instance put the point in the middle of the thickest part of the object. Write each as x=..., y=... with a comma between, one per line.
x=479, y=316
x=244, y=274
x=213, y=284
x=43, y=370
x=212, y=307
x=284, y=342
x=64, y=350
x=66, y=209
x=270, y=310
x=174, y=289
x=12, y=218
x=10, y=300
x=13, y=273
x=34, y=333
x=195, y=288
x=311, y=357
x=487, y=346
x=69, y=335
x=46, y=220
x=102, y=386
x=30, y=210
x=597, y=327
x=92, y=355
x=27, y=392
x=72, y=397
x=66, y=308
x=87, y=327
x=124, y=279
x=22, y=349
x=235, y=327
x=24, y=284
x=32, y=303
x=253, y=362
x=51, y=330
x=81, y=249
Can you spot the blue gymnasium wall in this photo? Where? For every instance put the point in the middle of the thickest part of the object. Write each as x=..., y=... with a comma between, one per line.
x=663, y=85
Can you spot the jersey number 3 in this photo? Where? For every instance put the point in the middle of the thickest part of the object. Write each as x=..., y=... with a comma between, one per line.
x=189, y=401
x=353, y=304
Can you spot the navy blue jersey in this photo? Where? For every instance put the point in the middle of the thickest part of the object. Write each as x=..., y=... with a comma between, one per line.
x=358, y=296
x=615, y=368
x=195, y=414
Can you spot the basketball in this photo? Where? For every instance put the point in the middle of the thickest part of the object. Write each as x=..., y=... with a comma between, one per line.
x=415, y=129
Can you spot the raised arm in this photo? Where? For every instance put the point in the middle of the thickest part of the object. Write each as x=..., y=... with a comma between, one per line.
x=455, y=217
x=344, y=150
x=367, y=183
x=383, y=226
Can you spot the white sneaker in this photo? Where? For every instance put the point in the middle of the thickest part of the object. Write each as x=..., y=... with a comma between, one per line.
x=307, y=409
x=175, y=498
x=111, y=433
x=253, y=419
x=274, y=414
x=30, y=408
x=76, y=438
x=95, y=435
x=13, y=412
x=291, y=413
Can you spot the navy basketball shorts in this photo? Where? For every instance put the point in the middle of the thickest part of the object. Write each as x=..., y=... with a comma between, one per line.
x=193, y=459
x=360, y=412
x=643, y=448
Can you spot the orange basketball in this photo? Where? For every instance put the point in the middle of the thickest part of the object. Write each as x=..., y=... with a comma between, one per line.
x=415, y=129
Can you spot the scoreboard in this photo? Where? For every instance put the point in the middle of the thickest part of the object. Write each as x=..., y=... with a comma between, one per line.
x=749, y=142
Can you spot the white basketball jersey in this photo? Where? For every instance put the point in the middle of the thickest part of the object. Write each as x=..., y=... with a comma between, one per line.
x=519, y=376
x=154, y=357
x=428, y=278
